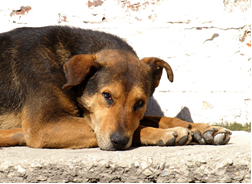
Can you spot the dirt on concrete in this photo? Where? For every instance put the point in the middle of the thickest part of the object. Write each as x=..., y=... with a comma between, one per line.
x=194, y=163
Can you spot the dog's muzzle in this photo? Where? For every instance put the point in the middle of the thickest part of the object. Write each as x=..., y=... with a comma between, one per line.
x=119, y=141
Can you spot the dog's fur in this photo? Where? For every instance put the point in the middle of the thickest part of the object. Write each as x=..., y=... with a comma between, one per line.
x=65, y=87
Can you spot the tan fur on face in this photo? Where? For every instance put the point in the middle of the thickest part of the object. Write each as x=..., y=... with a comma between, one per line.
x=120, y=116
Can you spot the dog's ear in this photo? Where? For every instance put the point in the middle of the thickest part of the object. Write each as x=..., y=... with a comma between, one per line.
x=78, y=68
x=157, y=66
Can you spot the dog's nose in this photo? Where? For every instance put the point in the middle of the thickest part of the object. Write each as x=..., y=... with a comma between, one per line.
x=118, y=140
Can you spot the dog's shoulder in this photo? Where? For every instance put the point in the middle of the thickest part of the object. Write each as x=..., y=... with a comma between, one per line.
x=32, y=59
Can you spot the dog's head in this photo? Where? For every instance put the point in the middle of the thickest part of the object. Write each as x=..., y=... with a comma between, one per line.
x=113, y=88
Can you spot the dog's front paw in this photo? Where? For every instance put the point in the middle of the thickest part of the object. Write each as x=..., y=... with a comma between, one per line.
x=207, y=134
x=167, y=137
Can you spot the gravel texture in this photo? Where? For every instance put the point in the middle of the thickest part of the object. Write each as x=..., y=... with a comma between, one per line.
x=194, y=163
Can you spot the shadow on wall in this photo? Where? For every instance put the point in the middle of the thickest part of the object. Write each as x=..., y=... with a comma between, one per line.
x=154, y=109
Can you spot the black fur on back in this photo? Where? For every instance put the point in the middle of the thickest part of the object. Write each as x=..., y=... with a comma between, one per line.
x=32, y=58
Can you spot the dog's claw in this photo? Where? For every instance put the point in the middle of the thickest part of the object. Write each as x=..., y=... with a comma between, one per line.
x=229, y=132
x=175, y=134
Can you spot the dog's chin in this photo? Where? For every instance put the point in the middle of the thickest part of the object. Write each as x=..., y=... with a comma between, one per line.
x=108, y=146
x=111, y=148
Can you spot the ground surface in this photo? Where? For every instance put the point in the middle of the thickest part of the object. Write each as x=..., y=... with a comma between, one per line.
x=195, y=163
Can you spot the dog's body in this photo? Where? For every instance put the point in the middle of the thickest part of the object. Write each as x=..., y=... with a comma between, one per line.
x=65, y=87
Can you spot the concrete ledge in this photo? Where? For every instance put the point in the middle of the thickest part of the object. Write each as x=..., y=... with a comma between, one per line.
x=195, y=163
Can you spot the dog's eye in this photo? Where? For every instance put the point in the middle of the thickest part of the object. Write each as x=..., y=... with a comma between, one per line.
x=139, y=104
x=108, y=97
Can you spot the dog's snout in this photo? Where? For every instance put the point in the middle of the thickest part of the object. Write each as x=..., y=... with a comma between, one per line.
x=119, y=141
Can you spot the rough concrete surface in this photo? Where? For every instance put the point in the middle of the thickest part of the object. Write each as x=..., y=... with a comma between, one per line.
x=193, y=163
x=208, y=45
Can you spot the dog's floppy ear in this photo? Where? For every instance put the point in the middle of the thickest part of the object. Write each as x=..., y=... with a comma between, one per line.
x=78, y=68
x=157, y=66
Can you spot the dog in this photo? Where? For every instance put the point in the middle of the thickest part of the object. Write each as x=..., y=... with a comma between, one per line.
x=65, y=87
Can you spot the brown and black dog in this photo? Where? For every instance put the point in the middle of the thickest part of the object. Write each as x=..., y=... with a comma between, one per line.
x=63, y=87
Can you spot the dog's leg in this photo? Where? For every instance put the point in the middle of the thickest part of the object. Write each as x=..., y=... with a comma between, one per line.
x=202, y=133
x=68, y=132
x=12, y=137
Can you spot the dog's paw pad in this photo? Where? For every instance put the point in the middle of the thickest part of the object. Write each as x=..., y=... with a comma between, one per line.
x=208, y=136
x=182, y=140
x=161, y=143
x=184, y=136
x=198, y=138
x=220, y=139
x=213, y=135
x=171, y=142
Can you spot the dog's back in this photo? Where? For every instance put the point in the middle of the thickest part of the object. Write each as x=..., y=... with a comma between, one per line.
x=33, y=58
